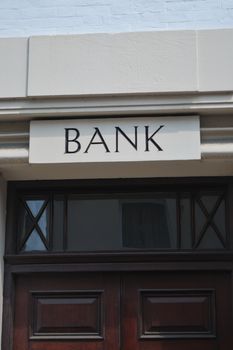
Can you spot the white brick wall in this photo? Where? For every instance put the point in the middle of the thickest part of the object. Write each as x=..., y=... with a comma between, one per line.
x=35, y=17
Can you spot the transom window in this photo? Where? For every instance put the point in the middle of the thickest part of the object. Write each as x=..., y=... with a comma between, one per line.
x=57, y=221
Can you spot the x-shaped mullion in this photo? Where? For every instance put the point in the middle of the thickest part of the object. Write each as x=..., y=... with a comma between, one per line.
x=35, y=224
x=209, y=222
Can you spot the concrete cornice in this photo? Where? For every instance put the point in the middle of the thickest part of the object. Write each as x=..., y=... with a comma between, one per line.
x=217, y=143
x=188, y=103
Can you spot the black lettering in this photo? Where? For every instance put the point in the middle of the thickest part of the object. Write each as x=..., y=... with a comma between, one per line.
x=150, y=138
x=101, y=142
x=72, y=139
x=133, y=143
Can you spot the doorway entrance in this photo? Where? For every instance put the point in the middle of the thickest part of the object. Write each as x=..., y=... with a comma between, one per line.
x=123, y=311
x=143, y=264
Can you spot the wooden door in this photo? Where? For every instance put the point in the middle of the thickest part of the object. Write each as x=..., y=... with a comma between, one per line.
x=123, y=311
x=67, y=312
x=177, y=311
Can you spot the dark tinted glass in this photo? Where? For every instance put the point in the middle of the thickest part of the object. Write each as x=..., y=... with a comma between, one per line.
x=210, y=240
x=149, y=224
x=115, y=224
x=220, y=220
x=185, y=223
x=210, y=230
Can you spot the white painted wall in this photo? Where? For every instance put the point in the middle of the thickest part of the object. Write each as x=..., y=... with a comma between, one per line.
x=39, y=17
x=2, y=241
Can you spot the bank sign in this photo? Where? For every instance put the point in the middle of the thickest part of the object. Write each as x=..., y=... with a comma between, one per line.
x=114, y=140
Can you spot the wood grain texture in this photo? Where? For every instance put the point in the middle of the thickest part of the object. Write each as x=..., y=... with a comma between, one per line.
x=66, y=314
x=47, y=317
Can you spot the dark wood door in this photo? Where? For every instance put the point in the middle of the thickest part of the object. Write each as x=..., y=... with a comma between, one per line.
x=123, y=311
x=67, y=312
x=177, y=311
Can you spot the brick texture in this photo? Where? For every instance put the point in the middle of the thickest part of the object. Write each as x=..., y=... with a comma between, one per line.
x=39, y=17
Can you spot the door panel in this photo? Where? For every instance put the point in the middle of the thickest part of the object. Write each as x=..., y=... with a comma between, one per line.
x=66, y=314
x=159, y=309
x=64, y=311
x=176, y=311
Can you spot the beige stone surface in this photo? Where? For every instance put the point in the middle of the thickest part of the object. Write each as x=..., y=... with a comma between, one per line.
x=112, y=63
x=13, y=67
x=117, y=170
x=215, y=60
x=123, y=63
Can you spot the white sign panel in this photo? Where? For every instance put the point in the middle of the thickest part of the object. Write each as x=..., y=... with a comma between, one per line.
x=114, y=140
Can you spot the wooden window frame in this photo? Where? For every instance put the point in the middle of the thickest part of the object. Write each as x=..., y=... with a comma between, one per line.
x=95, y=188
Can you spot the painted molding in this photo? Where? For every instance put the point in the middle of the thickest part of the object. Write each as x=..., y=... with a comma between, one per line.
x=88, y=106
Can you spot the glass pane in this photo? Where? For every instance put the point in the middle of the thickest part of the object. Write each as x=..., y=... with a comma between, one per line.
x=25, y=223
x=115, y=224
x=58, y=223
x=44, y=223
x=35, y=206
x=220, y=219
x=94, y=225
x=149, y=224
x=210, y=240
x=209, y=202
x=185, y=223
x=200, y=219
x=34, y=243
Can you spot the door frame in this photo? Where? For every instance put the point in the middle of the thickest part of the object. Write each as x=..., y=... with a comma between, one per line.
x=16, y=264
